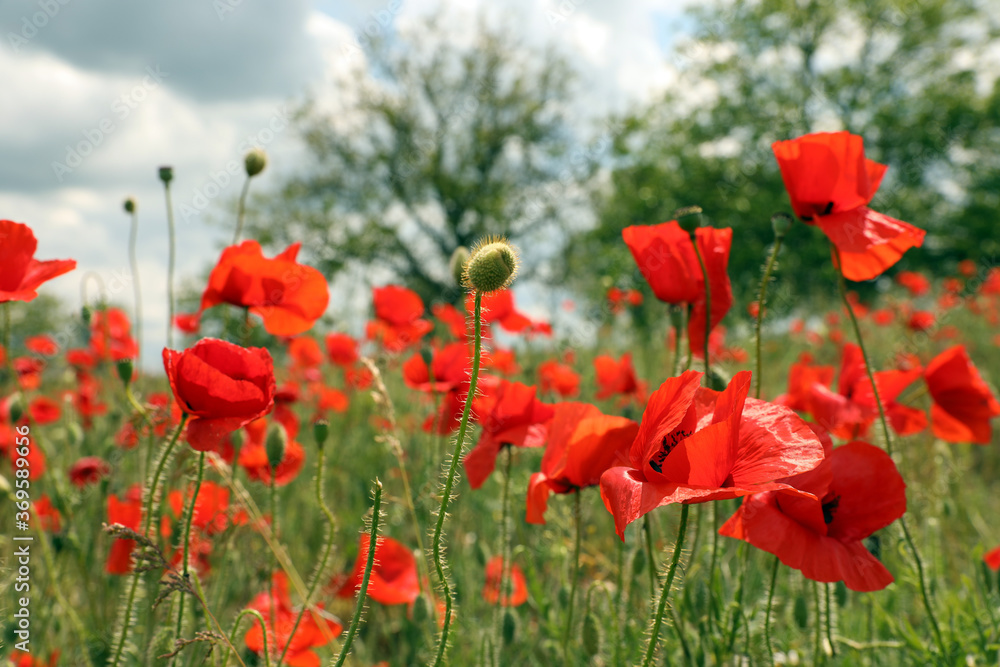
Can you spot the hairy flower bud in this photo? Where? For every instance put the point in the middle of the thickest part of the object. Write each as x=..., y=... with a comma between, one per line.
x=254, y=161
x=492, y=266
x=321, y=429
x=781, y=223
x=277, y=441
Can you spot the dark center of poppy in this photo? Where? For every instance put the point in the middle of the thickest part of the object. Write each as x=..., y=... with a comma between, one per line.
x=667, y=445
x=829, y=508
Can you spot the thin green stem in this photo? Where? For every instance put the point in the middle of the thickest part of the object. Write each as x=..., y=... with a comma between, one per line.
x=8, y=337
x=921, y=579
x=708, y=300
x=171, y=259
x=654, y=633
x=817, y=650
x=263, y=631
x=504, y=557
x=829, y=620
x=761, y=301
x=241, y=211
x=136, y=289
x=449, y=482
x=678, y=332
x=149, y=504
x=574, y=573
x=770, y=604
x=713, y=602
x=188, y=520
x=273, y=496
x=327, y=549
x=619, y=599
x=345, y=649
x=654, y=579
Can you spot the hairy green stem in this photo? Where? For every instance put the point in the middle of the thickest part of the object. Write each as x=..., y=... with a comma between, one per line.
x=149, y=504
x=263, y=630
x=761, y=300
x=654, y=633
x=504, y=558
x=918, y=561
x=574, y=574
x=449, y=482
x=241, y=211
x=767, y=611
x=188, y=520
x=345, y=649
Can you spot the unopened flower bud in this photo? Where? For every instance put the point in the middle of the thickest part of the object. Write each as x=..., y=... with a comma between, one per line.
x=16, y=408
x=689, y=218
x=509, y=627
x=124, y=367
x=166, y=174
x=492, y=266
x=129, y=205
x=781, y=223
x=321, y=429
x=277, y=441
x=591, y=635
x=457, y=263
x=85, y=314
x=255, y=160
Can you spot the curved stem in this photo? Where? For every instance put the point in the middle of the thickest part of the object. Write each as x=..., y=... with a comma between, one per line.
x=171, y=255
x=654, y=633
x=449, y=482
x=574, y=573
x=188, y=519
x=921, y=579
x=767, y=612
x=241, y=210
x=136, y=289
x=263, y=631
x=363, y=592
x=708, y=300
x=149, y=504
x=761, y=300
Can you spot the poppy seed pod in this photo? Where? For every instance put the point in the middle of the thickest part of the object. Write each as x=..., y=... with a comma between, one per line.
x=277, y=442
x=689, y=218
x=166, y=174
x=457, y=263
x=124, y=367
x=492, y=266
x=781, y=223
x=321, y=430
x=129, y=205
x=254, y=161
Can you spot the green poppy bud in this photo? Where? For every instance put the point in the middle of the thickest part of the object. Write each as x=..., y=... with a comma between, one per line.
x=166, y=174
x=492, y=266
x=124, y=367
x=254, y=161
x=321, y=429
x=277, y=442
x=689, y=218
x=509, y=627
x=781, y=223
x=130, y=205
x=16, y=408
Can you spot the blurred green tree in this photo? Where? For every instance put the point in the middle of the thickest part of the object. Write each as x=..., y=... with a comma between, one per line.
x=910, y=77
x=434, y=143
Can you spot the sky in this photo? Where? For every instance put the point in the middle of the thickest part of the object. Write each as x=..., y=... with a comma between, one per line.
x=96, y=95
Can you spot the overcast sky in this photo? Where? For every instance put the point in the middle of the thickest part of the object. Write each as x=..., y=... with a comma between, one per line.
x=95, y=95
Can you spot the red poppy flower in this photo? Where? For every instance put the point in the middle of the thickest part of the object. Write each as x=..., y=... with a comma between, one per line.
x=967, y=267
x=26, y=660
x=20, y=273
x=884, y=317
x=305, y=352
x=88, y=470
x=992, y=559
x=617, y=377
x=501, y=361
x=289, y=297
x=29, y=372
x=499, y=307
x=80, y=358
x=44, y=410
x=452, y=318
x=666, y=258
x=557, y=378
x=696, y=444
x=110, y=335
x=211, y=509
x=35, y=460
x=830, y=184
x=330, y=399
x=921, y=320
x=49, y=518
x=127, y=512
x=818, y=526
x=915, y=282
x=582, y=444
x=518, y=594
x=43, y=345
x=618, y=298
x=963, y=404
x=221, y=387
x=394, y=578
x=509, y=414
x=991, y=284
x=341, y=349
x=276, y=608
x=398, y=322
x=188, y=323
x=449, y=368
x=253, y=456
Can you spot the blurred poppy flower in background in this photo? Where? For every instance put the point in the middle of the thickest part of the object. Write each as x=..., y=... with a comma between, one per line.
x=289, y=297
x=830, y=183
x=43, y=345
x=666, y=258
x=341, y=349
x=221, y=386
x=617, y=377
x=127, y=512
x=398, y=322
x=20, y=273
x=393, y=579
x=558, y=378
x=696, y=444
x=818, y=526
x=963, y=404
x=518, y=594
x=88, y=470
